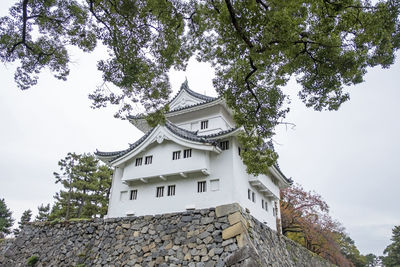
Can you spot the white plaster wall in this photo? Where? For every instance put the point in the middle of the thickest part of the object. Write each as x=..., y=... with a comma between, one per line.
x=227, y=167
x=162, y=163
x=219, y=120
x=186, y=188
x=241, y=190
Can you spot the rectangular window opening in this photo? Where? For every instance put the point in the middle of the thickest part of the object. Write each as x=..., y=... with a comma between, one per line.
x=160, y=191
x=262, y=203
x=176, y=155
x=148, y=160
x=171, y=190
x=138, y=161
x=214, y=185
x=253, y=197
x=187, y=153
x=201, y=187
x=224, y=145
x=203, y=125
x=133, y=194
x=249, y=194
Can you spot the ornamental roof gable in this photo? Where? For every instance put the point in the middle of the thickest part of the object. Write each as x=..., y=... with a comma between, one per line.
x=187, y=97
x=160, y=133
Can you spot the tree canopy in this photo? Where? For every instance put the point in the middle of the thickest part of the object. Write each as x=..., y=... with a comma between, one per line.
x=6, y=220
x=306, y=220
x=86, y=185
x=25, y=218
x=254, y=46
x=393, y=250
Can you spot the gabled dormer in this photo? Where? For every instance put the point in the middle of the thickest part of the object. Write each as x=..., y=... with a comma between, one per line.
x=186, y=98
x=195, y=112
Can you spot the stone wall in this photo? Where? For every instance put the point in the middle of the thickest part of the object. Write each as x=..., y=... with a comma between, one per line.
x=224, y=236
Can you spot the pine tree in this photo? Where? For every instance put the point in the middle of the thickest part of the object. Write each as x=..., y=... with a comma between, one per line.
x=393, y=250
x=6, y=221
x=86, y=188
x=25, y=218
x=43, y=213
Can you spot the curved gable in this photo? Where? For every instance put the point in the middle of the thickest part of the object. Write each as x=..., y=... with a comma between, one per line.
x=161, y=133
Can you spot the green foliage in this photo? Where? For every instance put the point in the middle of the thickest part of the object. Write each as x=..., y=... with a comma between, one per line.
x=86, y=188
x=43, y=213
x=372, y=260
x=25, y=218
x=6, y=221
x=393, y=250
x=350, y=251
x=32, y=260
x=255, y=47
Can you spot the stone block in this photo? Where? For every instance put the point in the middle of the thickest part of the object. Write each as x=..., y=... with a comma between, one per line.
x=233, y=230
x=225, y=210
x=237, y=217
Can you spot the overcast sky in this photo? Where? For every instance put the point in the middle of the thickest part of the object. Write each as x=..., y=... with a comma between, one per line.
x=350, y=157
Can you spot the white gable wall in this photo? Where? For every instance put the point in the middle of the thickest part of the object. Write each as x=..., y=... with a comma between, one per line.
x=184, y=99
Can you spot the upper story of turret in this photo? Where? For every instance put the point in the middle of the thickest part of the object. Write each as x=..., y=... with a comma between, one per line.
x=195, y=112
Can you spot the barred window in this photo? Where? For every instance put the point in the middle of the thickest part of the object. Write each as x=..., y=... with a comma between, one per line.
x=201, y=187
x=171, y=190
x=249, y=194
x=133, y=195
x=253, y=197
x=160, y=191
x=138, y=162
x=262, y=203
x=203, y=125
x=187, y=153
x=148, y=160
x=224, y=145
x=176, y=155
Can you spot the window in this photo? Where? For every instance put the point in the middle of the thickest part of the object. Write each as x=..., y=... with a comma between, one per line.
x=253, y=197
x=138, y=162
x=201, y=187
x=123, y=195
x=133, y=195
x=224, y=145
x=249, y=194
x=176, y=155
x=266, y=205
x=203, y=125
x=160, y=191
x=171, y=190
x=148, y=160
x=239, y=150
x=187, y=153
x=262, y=203
x=214, y=185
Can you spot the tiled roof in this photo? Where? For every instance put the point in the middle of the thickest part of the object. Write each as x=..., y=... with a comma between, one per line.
x=189, y=135
x=117, y=154
x=186, y=134
x=141, y=116
x=185, y=86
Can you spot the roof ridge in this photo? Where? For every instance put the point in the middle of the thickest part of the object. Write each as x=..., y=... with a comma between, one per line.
x=185, y=86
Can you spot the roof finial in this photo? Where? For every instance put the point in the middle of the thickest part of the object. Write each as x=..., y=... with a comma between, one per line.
x=185, y=84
